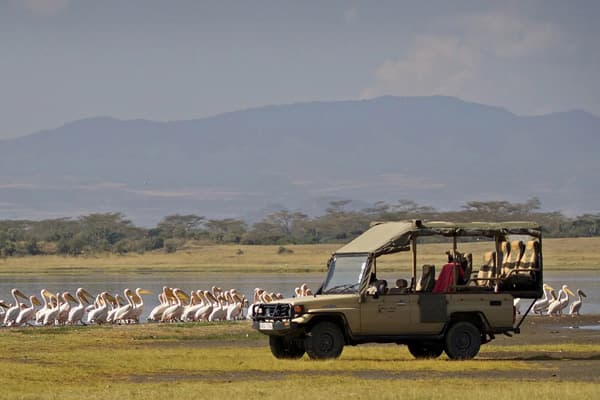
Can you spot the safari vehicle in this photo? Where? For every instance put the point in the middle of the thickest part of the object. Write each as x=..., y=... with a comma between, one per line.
x=370, y=294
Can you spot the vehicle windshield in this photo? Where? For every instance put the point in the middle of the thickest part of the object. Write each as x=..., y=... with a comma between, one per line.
x=345, y=273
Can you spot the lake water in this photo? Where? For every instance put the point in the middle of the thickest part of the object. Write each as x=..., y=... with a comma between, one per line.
x=588, y=281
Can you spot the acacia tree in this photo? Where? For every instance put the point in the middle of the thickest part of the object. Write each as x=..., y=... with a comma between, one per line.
x=181, y=226
x=280, y=227
x=226, y=230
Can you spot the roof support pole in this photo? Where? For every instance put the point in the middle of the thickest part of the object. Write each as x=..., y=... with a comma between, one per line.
x=413, y=245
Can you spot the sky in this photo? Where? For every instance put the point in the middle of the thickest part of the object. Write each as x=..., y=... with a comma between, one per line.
x=64, y=60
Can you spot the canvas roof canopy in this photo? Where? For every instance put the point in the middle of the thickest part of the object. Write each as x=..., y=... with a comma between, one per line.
x=391, y=237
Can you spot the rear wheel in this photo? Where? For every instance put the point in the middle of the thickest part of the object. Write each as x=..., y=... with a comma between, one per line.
x=463, y=341
x=284, y=348
x=325, y=340
x=426, y=350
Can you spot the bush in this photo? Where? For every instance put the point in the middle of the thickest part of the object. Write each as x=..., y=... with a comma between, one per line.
x=170, y=246
x=284, y=250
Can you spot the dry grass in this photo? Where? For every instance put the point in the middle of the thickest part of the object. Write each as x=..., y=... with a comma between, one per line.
x=559, y=254
x=201, y=360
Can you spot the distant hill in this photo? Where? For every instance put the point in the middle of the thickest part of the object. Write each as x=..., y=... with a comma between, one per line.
x=438, y=151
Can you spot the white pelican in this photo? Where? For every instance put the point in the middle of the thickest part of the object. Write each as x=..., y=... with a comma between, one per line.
x=556, y=307
x=206, y=308
x=255, y=300
x=138, y=304
x=517, y=305
x=120, y=314
x=41, y=313
x=174, y=312
x=27, y=314
x=65, y=307
x=76, y=313
x=234, y=308
x=117, y=305
x=3, y=307
x=52, y=313
x=576, y=305
x=10, y=316
x=98, y=315
x=540, y=306
x=219, y=311
x=189, y=311
x=165, y=301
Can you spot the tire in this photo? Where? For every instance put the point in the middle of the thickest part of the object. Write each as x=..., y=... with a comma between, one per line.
x=422, y=350
x=324, y=341
x=284, y=348
x=462, y=341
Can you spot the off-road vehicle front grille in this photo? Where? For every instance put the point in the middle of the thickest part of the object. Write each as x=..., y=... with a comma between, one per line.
x=274, y=311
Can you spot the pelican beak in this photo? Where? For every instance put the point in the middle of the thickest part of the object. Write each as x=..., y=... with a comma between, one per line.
x=581, y=293
x=136, y=298
x=550, y=287
x=4, y=305
x=20, y=294
x=169, y=292
x=569, y=291
x=86, y=295
x=110, y=298
x=182, y=296
x=35, y=301
x=70, y=297
x=144, y=291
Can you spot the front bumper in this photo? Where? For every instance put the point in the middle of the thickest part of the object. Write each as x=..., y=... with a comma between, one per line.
x=277, y=319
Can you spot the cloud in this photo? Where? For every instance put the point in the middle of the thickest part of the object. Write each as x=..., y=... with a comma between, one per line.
x=435, y=65
x=44, y=7
x=456, y=59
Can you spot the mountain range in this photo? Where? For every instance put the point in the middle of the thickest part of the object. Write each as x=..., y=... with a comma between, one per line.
x=438, y=151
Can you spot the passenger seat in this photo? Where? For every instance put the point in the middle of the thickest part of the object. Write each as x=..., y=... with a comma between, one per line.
x=487, y=270
x=427, y=280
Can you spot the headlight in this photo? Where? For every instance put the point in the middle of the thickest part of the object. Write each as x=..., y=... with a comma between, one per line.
x=298, y=310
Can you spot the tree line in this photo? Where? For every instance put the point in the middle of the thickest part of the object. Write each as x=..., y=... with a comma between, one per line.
x=113, y=232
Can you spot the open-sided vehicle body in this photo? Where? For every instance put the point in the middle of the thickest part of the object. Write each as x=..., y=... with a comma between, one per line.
x=456, y=310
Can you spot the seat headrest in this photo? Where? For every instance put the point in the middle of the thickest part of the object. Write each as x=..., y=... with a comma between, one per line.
x=401, y=283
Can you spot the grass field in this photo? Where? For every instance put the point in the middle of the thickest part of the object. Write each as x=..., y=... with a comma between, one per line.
x=230, y=359
x=202, y=361
x=559, y=254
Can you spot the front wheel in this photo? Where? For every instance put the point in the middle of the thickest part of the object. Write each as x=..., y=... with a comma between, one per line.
x=284, y=348
x=421, y=350
x=325, y=340
x=463, y=341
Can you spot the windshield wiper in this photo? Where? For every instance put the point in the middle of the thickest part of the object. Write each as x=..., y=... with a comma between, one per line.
x=341, y=288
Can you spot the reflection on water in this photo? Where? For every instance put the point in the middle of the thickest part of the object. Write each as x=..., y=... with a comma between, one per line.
x=589, y=327
x=588, y=281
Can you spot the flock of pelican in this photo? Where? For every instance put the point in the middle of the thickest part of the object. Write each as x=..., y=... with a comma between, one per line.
x=175, y=305
x=66, y=309
x=554, y=305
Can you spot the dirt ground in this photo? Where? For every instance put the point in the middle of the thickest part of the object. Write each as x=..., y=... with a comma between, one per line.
x=555, y=365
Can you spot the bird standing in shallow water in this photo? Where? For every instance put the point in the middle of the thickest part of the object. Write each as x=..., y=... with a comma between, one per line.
x=576, y=305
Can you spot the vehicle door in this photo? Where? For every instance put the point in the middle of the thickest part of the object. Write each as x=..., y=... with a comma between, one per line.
x=386, y=314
